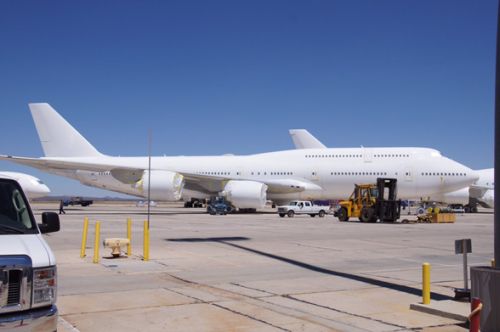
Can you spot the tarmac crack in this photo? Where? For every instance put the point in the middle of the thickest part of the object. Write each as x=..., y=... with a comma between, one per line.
x=215, y=304
x=344, y=312
x=290, y=297
x=317, y=247
x=251, y=317
x=255, y=289
x=211, y=289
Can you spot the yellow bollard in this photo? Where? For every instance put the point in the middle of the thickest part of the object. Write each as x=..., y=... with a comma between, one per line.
x=129, y=237
x=146, y=241
x=493, y=263
x=84, y=237
x=96, y=242
x=426, y=283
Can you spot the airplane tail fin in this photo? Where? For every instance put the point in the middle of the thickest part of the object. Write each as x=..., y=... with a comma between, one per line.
x=302, y=139
x=57, y=136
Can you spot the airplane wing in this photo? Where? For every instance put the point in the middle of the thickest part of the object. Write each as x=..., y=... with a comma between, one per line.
x=46, y=163
x=212, y=183
x=128, y=175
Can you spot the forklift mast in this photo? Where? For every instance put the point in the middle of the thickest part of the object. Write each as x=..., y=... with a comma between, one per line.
x=388, y=207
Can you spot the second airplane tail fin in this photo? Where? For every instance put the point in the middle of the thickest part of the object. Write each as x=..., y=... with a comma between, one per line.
x=302, y=139
x=57, y=136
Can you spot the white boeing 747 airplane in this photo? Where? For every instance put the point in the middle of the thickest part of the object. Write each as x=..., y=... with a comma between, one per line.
x=32, y=186
x=246, y=181
x=481, y=190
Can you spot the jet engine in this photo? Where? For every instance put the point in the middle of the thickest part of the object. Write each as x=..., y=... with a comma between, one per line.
x=246, y=194
x=165, y=185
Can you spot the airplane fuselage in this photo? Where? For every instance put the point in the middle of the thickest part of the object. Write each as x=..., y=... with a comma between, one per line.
x=331, y=173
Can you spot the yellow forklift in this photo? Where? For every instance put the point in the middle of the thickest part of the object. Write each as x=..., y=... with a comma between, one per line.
x=371, y=202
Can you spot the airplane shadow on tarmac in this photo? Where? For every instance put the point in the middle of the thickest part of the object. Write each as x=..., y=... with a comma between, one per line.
x=370, y=281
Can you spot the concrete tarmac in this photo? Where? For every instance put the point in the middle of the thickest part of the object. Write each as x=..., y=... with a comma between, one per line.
x=258, y=272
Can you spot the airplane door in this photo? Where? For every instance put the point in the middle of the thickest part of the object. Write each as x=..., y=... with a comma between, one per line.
x=409, y=181
x=367, y=155
x=408, y=174
x=314, y=176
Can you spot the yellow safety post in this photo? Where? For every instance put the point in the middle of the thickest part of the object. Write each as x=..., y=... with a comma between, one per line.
x=146, y=241
x=84, y=237
x=96, y=242
x=426, y=283
x=129, y=237
x=493, y=263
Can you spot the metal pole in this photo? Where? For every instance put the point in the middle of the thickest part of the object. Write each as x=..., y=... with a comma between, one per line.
x=96, y=242
x=475, y=317
x=149, y=177
x=84, y=237
x=145, y=248
x=496, y=227
x=129, y=237
x=426, y=283
x=466, y=276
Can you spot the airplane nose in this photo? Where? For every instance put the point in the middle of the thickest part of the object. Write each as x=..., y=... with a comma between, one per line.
x=45, y=190
x=472, y=176
x=461, y=176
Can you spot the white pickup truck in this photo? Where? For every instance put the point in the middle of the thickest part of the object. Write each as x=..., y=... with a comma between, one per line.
x=28, y=280
x=302, y=207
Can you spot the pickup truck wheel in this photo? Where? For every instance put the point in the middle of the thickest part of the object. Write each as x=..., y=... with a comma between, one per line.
x=282, y=215
x=342, y=214
x=312, y=215
x=321, y=214
x=290, y=214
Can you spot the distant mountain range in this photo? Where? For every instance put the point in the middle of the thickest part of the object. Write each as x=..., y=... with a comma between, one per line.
x=95, y=199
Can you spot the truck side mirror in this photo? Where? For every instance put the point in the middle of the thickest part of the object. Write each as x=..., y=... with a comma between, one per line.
x=50, y=223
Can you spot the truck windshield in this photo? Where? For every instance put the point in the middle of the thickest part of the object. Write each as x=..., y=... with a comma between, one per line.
x=15, y=217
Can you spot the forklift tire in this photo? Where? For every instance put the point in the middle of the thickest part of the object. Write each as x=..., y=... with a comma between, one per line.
x=366, y=215
x=321, y=214
x=290, y=214
x=342, y=214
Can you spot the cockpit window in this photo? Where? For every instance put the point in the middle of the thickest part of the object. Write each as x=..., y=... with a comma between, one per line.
x=15, y=216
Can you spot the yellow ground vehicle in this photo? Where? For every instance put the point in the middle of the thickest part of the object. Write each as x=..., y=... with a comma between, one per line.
x=370, y=202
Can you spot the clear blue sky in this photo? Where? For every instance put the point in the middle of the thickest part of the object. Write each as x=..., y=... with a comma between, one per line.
x=215, y=77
